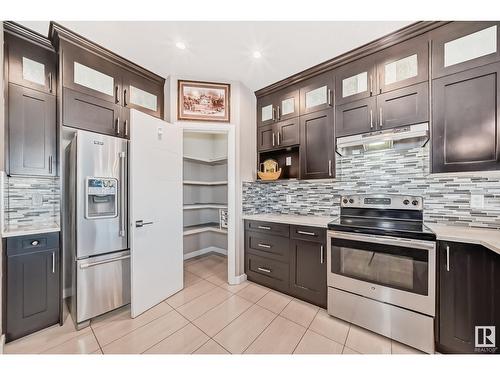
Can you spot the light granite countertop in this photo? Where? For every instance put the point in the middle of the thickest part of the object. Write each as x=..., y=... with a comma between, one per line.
x=307, y=220
x=27, y=231
x=489, y=238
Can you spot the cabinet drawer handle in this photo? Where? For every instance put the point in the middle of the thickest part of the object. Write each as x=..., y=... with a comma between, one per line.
x=273, y=140
x=447, y=258
x=125, y=97
x=50, y=164
x=322, y=255
x=330, y=168
x=279, y=139
x=380, y=122
x=34, y=243
x=118, y=126
x=126, y=128
x=265, y=246
x=53, y=262
x=274, y=114
x=264, y=270
x=371, y=85
x=264, y=227
x=279, y=114
x=371, y=119
x=117, y=95
x=306, y=233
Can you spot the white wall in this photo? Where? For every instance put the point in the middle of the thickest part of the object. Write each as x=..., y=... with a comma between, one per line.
x=243, y=104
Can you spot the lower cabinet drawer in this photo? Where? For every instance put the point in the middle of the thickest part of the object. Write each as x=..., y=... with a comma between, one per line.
x=308, y=233
x=268, y=227
x=268, y=272
x=268, y=245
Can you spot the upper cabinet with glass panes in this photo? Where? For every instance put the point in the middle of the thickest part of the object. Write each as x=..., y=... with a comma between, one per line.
x=403, y=64
x=142, y=94
x=31, y=65
x=355, y=80
x=279, y=106
x=459, y=46
x=316, y=93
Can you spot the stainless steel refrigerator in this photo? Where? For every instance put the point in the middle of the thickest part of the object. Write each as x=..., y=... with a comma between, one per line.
x=96, y=187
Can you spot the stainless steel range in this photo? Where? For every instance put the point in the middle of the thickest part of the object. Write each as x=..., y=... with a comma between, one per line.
x=382, y=268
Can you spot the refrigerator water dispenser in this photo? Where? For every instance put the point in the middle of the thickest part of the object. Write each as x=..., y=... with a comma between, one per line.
x=101, y=198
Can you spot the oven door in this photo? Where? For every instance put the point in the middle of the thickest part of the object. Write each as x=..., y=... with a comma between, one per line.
x=394, y=270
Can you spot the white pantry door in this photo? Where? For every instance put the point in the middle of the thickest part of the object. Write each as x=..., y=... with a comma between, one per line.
x=155, y=211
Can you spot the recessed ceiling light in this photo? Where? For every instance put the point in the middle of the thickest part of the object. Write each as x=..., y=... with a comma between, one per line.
x=180, y=45
x=257, y=54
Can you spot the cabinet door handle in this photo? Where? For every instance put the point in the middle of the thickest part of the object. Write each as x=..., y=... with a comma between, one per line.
x=118, y=126
x=380, y=120
x=125, y=97
x=447, y=258
x=330, y=168
x=264, y=227
x=53, y=262
x=322, y=254
x=279, y=138
x=50, y=82
x=264, y=270
x=329, y=93
x=117, y=94
x=378, y=83
x=50, y=164
x=265, y=246
x=371, y=85
x=306, y=233
x=273, y=139
x=126, y=128
x=279, y=112
x=274, y=114
x=371, y=119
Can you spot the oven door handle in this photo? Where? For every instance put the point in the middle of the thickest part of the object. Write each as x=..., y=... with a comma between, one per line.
x=384, y=240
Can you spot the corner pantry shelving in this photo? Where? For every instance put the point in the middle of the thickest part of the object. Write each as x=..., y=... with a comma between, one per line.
x=205, y=193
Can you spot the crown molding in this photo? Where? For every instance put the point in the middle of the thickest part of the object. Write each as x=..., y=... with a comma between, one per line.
x=398, y=36
x=20, y=31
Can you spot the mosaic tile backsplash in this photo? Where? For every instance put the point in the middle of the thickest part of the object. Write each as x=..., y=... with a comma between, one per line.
x=446, y=197
x=30, y=202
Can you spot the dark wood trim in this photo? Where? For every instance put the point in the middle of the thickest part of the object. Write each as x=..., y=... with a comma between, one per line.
x=386, y=41
x=57, y=31
x=31, y=36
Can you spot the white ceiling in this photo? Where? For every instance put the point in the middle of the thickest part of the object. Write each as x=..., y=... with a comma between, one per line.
x=223, y=50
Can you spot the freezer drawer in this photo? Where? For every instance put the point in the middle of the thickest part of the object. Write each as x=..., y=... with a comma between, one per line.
x=103, y=284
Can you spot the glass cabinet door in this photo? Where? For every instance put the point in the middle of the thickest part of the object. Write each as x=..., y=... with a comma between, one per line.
x=464, y=45
x=316, y=93
x=31, y=65
x=287, y=103
x=142, y=93
x=90, y=74
x=355, y=80
x=266, y=110
x=403, y=65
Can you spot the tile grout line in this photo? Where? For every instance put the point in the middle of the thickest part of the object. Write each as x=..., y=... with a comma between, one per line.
x=166, y=337
x=95, y=336
x=298, y=342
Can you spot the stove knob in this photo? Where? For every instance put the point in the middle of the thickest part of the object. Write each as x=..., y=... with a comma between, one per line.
x=351, y=200
x=414, y=202
x=345, y=200
x=406, y=202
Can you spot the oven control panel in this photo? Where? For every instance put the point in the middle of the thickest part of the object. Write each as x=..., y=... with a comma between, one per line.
x=387, y=201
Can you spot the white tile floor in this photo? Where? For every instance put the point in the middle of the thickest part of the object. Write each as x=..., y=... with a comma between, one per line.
x=210, y=316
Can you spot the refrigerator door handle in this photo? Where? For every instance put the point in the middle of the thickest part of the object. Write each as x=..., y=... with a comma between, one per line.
x=122, y=194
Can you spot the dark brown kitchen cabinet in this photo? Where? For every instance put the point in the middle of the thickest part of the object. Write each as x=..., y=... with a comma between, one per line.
x=32, y=284
x=465, y=129
x=316, y=94
x=405, y=106
x=31, y=132
x=87, y=112
x=403, y=64
x=308, y=264
x=356, y=80
x=142, y=94
x=356, y=117
x=278, y=135
x=31, y=65
x=468, y=275
x=288, y=258
x=317, y=145
x=279, y=106
x=463, y=45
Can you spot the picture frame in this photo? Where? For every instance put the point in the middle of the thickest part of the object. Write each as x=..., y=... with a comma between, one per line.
x=203, y=101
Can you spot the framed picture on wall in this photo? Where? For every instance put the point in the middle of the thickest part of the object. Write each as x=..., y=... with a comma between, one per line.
x=203, y=101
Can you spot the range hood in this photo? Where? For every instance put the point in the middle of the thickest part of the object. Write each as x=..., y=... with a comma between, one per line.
x=400, y=138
